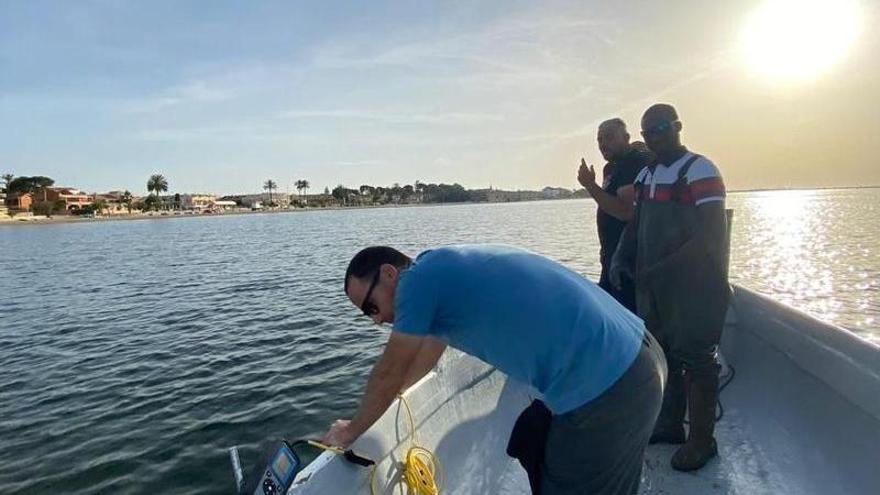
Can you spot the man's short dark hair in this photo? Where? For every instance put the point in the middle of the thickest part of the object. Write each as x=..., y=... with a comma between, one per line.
x=616, y=122
x=368, y=261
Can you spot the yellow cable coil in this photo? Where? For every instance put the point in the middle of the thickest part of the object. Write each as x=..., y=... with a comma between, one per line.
x=421, y=467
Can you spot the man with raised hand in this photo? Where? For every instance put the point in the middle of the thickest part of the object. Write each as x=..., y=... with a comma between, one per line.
x=599, y=372
x=678, y=238
x=614, y=198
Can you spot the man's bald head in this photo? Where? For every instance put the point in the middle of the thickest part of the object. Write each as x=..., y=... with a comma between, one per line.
x=661, y=111
x=661, y=130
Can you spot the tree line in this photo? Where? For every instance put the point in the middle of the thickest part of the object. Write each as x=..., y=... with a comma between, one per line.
x=366, y=194
x=419, y=192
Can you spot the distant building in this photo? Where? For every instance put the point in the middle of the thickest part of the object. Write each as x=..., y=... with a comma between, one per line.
x=556, y=192
x=259, y=200
x=498, y=196
x=197, y=201
x=280, y=199
x=252, y=200
x=3, y=209
x=225, y=204
x=73, y=198
x=20, y=201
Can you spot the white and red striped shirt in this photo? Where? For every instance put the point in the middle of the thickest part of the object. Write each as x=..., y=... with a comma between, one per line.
x=702, y=182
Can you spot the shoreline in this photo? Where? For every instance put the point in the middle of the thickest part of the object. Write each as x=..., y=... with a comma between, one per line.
x=64, y=219
x=67, y=219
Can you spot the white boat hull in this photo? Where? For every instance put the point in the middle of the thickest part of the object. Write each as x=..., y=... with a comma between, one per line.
x=802, y=416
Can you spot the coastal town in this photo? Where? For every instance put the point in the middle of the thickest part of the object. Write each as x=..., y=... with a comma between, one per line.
x=39, y=198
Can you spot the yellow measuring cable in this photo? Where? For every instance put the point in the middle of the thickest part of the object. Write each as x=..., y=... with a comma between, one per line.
x=325, y=447
x=421, y=467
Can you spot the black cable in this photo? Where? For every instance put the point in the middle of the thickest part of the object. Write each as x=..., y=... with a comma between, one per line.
x=727, y=379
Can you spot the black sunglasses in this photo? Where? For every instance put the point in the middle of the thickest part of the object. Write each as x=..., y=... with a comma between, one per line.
x=368, y=307
x=658, y=129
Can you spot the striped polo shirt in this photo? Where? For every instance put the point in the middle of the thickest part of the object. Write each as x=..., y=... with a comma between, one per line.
x=702, y=182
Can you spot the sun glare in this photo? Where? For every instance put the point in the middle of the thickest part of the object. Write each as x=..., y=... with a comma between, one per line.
x=799, y=39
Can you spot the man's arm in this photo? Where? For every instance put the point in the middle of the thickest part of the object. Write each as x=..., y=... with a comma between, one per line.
x=386, y=381
x=620, y=206
x=623, y=259
x=709, y=237
x=428, y=355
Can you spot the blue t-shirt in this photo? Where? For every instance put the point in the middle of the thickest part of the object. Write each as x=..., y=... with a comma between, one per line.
x=530, y=317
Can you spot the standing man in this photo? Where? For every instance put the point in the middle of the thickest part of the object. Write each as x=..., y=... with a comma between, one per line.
x=601, y=374
x=679, y=240
x=614, y=198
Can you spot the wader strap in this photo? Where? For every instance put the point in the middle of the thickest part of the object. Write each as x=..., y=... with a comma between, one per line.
x=681, y=183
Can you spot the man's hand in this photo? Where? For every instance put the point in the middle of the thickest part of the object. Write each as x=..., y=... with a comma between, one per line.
x=386, y=381
x=339, y=435
x=619, y=269
x=586, y=175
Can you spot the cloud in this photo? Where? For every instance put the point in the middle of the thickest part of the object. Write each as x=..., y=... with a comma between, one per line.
x=518, y=51
x=359, y=163
x=236, y=132
x=198, y=91
x=453, y=118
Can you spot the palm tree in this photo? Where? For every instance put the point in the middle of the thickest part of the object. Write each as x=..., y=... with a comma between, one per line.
x=302, y=185
x=7, y=178
x=157, y=184
x=270, y=185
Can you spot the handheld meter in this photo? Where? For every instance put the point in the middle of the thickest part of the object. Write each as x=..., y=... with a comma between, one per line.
x=273, y=473
x=279, y=464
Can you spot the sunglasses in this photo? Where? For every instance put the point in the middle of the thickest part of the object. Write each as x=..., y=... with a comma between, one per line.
x=367, y=306
x=658, y=129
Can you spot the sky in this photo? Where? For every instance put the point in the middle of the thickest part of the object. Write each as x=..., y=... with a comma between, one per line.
x=220, y=96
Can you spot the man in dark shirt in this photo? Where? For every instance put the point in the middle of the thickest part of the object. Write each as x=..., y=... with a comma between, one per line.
x=614, y=197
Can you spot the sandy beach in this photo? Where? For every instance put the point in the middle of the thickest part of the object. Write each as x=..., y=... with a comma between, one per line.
x=21, y=220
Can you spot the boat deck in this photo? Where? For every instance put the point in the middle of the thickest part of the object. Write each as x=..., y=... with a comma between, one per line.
x=801, y=417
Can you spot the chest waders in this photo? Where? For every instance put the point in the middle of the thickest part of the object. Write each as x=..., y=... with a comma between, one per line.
x=684, y=308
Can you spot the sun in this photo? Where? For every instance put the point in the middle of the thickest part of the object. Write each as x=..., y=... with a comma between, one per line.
x=799, y=39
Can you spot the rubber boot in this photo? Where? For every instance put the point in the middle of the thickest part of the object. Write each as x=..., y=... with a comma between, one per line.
x=700, y=446
x=670, y=423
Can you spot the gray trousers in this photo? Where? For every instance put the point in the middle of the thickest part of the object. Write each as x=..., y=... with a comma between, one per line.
x=599, y=448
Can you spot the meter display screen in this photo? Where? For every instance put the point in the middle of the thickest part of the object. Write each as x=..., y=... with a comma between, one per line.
x=282, y=466
x=285, y=465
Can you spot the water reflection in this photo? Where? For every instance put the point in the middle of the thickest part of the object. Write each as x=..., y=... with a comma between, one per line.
x=815, y=250
x=134, y=353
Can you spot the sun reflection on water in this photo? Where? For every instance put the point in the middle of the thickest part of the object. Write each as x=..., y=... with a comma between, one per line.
x=808, y=251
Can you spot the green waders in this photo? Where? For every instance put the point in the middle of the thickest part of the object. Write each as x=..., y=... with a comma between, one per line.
x=684, y=308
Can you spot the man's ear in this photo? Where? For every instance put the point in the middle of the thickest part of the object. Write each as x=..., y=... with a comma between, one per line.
x=678, y=126
x=390, y=271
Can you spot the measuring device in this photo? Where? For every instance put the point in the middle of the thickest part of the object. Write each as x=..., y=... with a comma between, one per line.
x=273, y=473
x=278, y=466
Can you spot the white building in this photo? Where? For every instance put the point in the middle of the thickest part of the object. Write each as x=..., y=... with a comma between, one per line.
x=197, y=201
x=555, y=192
x=262, y=200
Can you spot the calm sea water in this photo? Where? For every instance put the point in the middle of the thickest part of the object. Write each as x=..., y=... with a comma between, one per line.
x=132, y=354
